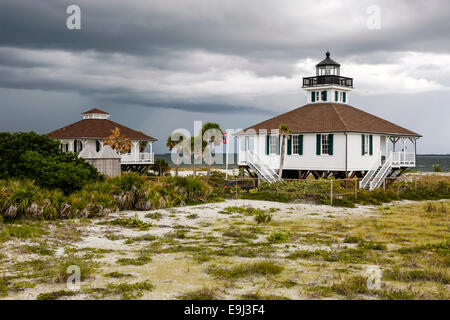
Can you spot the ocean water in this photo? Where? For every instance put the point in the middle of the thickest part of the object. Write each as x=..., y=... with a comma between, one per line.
x=424, y=162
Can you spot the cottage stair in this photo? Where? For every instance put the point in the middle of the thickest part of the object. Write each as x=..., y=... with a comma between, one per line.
x=262, y=169
x=377, y=176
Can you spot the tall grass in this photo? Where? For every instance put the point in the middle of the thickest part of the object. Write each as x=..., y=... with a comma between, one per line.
x=22, y=198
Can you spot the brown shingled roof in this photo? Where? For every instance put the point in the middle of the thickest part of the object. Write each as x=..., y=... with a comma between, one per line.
x=97, y=129
x=332, y=117
x=95, y=110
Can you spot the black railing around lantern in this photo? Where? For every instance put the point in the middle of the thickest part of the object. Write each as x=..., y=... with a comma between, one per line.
x=327, y=80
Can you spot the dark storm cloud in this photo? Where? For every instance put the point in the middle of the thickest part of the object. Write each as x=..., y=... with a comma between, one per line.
x=241, y=58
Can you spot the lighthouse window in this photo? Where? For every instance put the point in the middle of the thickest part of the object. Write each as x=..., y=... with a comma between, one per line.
x=344, y=96
x=325, y=144
x=336, y=95
x=324, y=96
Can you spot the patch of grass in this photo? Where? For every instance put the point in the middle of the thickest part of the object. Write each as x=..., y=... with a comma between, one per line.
x=154, y=215
x=117, y=275
x=25, y=231
x=67, y=266
x=396, y=295
x=247, y=211
x=139, y=261
x=134, y=223
x=440, y=276
x=278, y=237
x=234, y=232
x=42, y=249
x=340, y=202
x=263, y=268
x=440, y=248
x=4, y=289
x=353, y=239
x=177, y=234
x=346, y=255
x=200, y=294
x=192, y=216
x=129, y=291
x=55, y=295
x=148, y=237
x=352, y=286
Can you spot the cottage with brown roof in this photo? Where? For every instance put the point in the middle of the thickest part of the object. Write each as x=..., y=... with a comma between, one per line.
x=94, y=127
x=328, y=137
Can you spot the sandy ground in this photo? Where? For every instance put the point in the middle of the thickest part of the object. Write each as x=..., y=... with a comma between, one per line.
x=175, y=272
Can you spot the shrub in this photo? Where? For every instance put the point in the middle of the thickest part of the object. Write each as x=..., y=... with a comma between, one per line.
x=340, y=202
x=263, y=217
x=278, y=237
x=160, y=166
x=27, y=155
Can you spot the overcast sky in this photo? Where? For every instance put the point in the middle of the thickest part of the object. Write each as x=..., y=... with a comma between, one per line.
x=160, y=65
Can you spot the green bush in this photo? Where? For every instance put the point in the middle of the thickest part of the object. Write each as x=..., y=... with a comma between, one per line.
x=278, y=237
x=28, y=155
x=263, y=217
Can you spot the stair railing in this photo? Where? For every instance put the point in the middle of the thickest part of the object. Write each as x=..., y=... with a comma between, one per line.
x=261, y=168
x=381, y=175
x=365, y=181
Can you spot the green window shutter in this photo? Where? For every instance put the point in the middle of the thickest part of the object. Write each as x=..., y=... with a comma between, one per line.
x=330, y=144
x=279, y=145
x=313, y=96
x=344, y=96
x=371, y=145
x=75, y=146
x=336, y=96
x=289, y=145
x=300, y=145
x=318, y=145
x=267, y=144
x=363, y=144
x=324, y=96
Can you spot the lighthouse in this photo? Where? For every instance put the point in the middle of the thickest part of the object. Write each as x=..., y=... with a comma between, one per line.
x=328, y=85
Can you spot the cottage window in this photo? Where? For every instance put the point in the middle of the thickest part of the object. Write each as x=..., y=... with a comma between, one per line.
x=325, y=144
x=77, y=146
x=274, y=144
x=295, y=144
x=366, y=144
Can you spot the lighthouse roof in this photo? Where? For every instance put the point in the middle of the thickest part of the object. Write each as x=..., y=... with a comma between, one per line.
x=328, y=61
x=331, y=117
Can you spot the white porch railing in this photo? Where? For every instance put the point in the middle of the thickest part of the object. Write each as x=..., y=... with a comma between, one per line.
x=144, y=158
x=403, y=159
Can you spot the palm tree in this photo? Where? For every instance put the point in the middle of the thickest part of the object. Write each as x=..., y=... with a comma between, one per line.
x=212, y=130
x=284, y=131
x=175, y=144
x=196, y=154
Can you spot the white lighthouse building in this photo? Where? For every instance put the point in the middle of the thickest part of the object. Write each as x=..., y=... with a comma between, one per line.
x=329, y=138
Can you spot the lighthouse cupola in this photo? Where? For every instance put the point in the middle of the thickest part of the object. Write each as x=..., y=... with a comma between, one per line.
x=328, y=85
